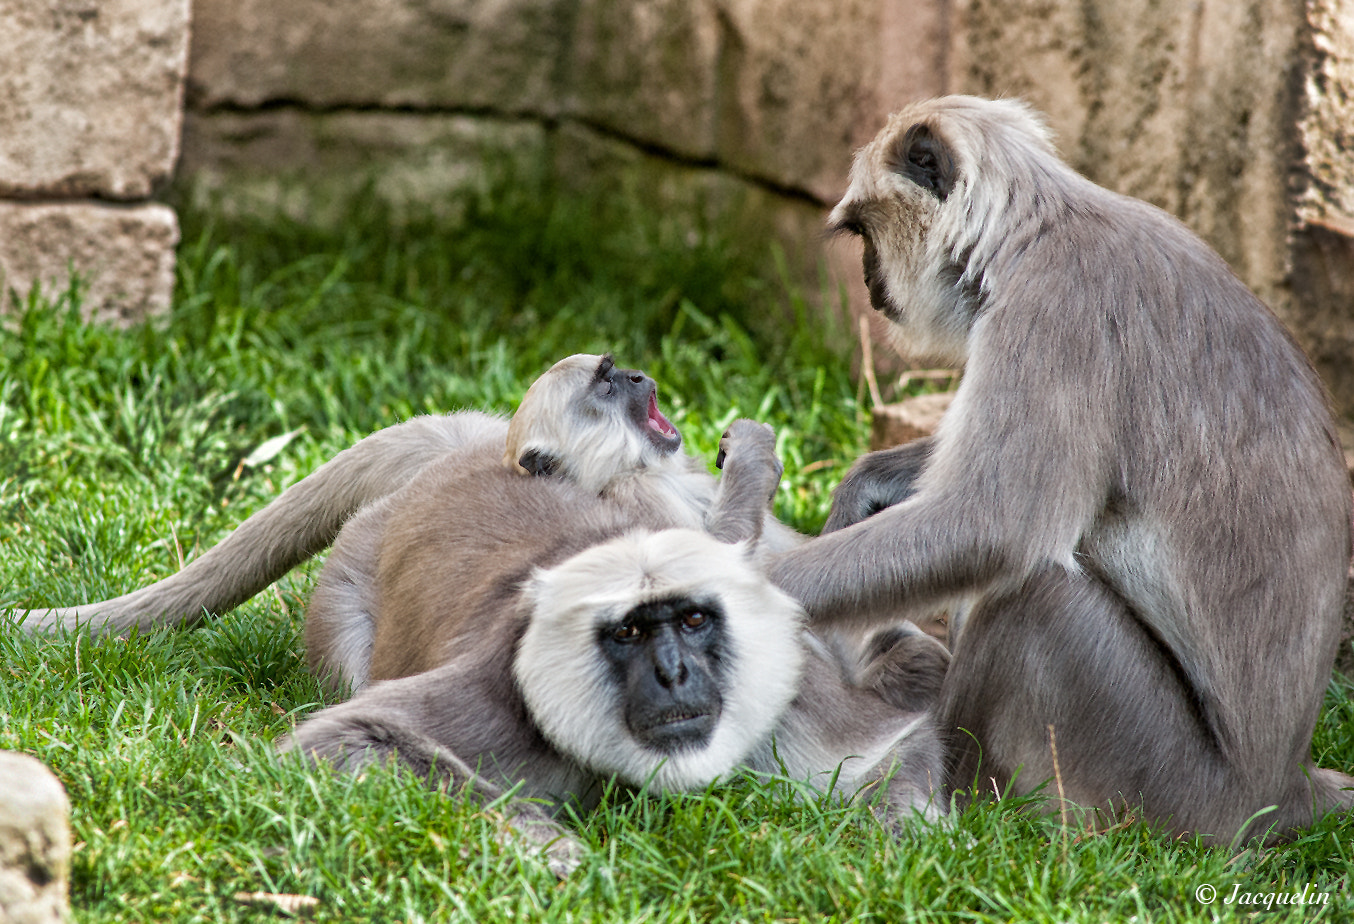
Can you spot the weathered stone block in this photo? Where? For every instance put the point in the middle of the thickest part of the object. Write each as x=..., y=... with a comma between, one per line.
x=647, y=71
x=789, y=110
x=306, y=164
x=1322, y=305
x=1327, y=126
x=690, y=196
x=124, y=255
x=35, y=842
x=90, y=96
x=497, y=54
x=908, y=420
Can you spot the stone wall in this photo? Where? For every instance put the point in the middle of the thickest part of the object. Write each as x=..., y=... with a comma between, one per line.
x=90, y=106
x=1235, y=115
x=745, y=108
x=775, y=91
x=1231, y=114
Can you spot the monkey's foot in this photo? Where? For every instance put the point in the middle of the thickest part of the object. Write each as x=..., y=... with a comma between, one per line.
x=532, y=827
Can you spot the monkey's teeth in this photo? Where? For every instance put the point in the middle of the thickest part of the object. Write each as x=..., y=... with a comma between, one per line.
x=657, y=422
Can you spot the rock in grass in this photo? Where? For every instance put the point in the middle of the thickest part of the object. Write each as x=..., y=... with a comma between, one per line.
x=35, y=842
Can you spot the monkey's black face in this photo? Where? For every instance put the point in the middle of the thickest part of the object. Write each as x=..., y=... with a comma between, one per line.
x=667, y=658
x=855, y=223
x=638, y=395
x=874, y=281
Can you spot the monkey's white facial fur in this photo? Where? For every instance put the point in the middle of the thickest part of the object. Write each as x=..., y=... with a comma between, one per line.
x=581, y=698
x=590, y=421
x=929, y=197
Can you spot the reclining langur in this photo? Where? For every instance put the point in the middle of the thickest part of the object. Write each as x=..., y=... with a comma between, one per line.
x=664, y=655
x=598, y=425
x=452, y=552
x=1138, y=488
x=663, y=659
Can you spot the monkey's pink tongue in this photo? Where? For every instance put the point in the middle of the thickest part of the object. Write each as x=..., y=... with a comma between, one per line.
x=656, y=419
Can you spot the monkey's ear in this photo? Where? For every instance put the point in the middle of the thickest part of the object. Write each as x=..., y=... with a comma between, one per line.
x=924, y=158
x=536, y=462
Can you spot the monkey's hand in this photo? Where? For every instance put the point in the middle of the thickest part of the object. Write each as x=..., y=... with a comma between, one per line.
x=748, y=444
x=905, y=666
x=877, y=481
x=747, y=455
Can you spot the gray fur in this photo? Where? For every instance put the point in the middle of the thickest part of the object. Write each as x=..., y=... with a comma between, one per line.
x=302, y=522
x=440, y=568
x=1138, y=487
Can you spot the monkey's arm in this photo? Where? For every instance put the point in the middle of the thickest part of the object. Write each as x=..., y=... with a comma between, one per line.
x=860, y=734
x=747, y=456
x=434, y=724
x=301, y=522
x=1008, y=487
x=877, y=481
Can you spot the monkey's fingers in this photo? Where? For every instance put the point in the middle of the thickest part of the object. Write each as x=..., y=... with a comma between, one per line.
x=745, y=431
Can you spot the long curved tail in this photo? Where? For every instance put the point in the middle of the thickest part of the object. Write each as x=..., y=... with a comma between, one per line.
x=302, y=521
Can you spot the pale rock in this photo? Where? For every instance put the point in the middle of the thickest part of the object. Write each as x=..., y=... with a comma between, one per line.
x=648, y=72
x=35, y=842
x=91, y=95
x=908, y=420
x=502, y=55
x=307, y=164
x=124, y=255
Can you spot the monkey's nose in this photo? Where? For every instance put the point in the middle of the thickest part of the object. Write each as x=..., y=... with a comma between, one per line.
x=668, y=664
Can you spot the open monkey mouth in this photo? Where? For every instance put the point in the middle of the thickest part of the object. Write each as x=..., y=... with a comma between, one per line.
x=659, y=424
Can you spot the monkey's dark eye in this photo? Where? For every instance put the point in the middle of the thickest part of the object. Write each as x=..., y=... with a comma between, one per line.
x=625, y=632
x=694, y=620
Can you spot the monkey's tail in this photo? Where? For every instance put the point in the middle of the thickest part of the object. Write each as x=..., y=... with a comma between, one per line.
x=303, y=521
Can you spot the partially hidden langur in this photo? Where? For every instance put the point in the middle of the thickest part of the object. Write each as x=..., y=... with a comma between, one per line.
x=1137, y=496
x=661, y=659
x=560, y=600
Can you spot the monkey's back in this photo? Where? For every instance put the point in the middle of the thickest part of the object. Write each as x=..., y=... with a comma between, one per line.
x=1226, y=501
x=457, y=545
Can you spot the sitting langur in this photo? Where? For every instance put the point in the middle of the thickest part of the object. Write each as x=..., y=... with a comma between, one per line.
x=1138, y=491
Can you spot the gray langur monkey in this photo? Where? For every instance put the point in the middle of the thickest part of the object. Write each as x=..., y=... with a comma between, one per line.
x=630, y=456
x=585, y=427
x=468, y=580
x=1137, y=495
x=504, y=630
x=661, y=659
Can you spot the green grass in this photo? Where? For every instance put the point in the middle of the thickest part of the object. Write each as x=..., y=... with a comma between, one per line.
x=122, y=453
